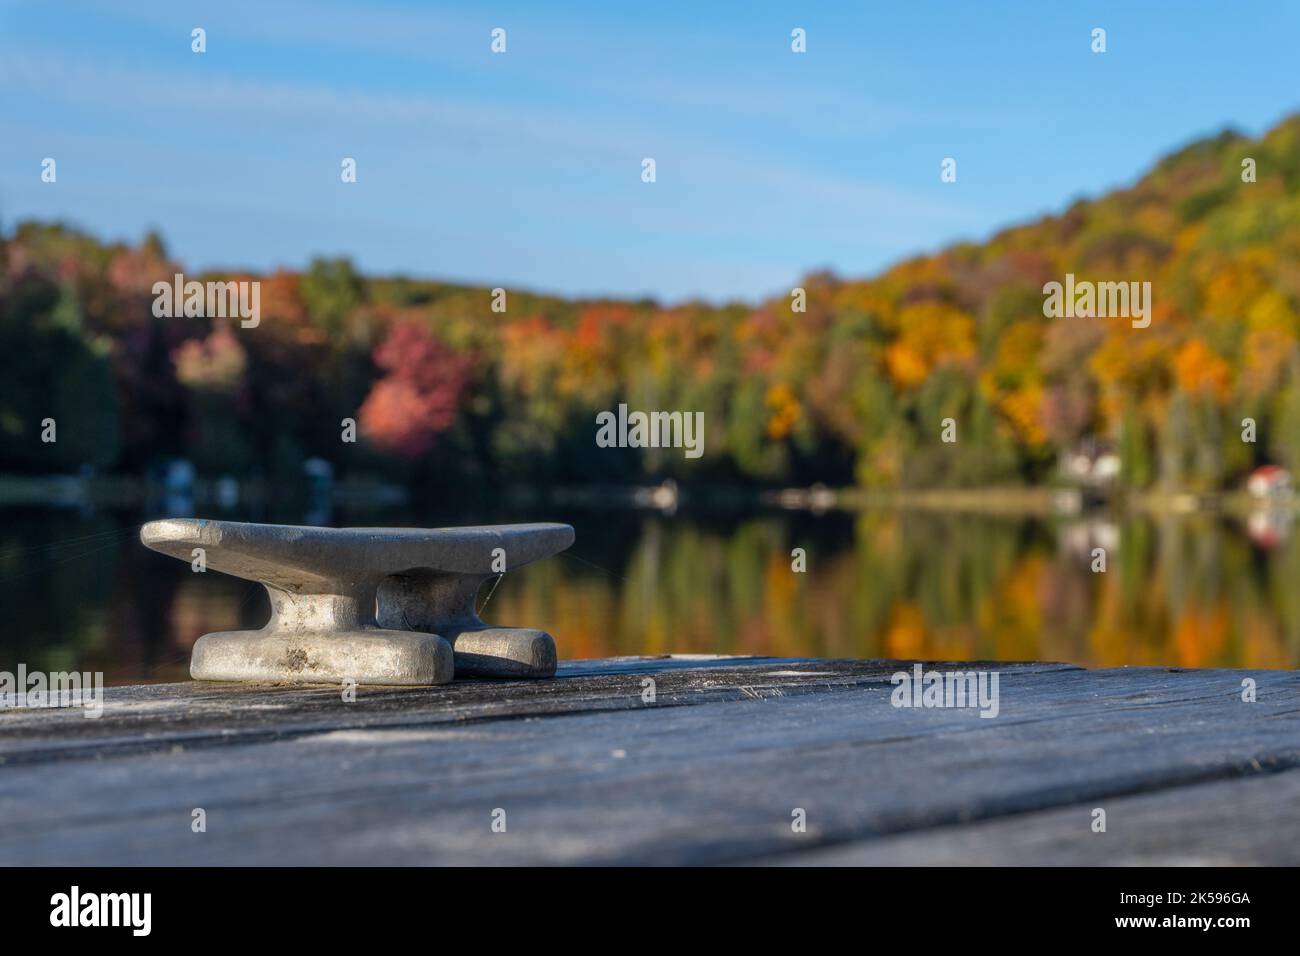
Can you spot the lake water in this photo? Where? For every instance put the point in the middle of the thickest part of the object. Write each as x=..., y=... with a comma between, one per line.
x=79, y=591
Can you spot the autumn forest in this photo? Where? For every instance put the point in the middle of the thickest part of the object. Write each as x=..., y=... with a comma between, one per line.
x=844, y=383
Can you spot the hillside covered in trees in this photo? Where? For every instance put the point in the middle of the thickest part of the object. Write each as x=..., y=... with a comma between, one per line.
x=851, y=390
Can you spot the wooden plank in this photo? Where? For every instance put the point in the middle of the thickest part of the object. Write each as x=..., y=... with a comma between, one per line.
x=1250, y=821
x=157, y=717
x=588, y=773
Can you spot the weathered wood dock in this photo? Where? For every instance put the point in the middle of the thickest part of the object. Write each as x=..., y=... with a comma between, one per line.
x=714, y=770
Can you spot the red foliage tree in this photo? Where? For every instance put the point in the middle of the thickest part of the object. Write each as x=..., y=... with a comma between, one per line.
x=419, y=396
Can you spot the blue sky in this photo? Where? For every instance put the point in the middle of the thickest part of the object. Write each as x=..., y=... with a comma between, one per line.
x=523, y=169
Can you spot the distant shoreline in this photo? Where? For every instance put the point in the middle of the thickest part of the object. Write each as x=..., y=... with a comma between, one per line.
x=124, y=491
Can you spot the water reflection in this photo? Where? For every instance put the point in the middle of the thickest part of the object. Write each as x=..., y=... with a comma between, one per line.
x=1192, y=590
